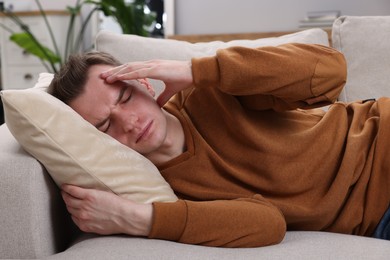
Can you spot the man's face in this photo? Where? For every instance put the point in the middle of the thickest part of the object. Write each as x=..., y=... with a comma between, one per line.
x=126, y=111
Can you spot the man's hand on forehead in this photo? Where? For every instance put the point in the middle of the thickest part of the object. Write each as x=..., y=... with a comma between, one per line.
x=177, y=75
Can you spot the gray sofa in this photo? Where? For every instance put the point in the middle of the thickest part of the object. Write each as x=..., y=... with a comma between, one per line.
x=34, y=222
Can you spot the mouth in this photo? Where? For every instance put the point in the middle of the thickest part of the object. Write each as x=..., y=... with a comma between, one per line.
x=145, y=132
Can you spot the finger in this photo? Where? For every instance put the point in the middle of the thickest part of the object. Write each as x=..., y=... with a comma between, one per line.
x=129, y=75
x=70, y=201
x=112, y=71
x=125, y=68
x=72, y=211
x=75, y=191
x=77, y=222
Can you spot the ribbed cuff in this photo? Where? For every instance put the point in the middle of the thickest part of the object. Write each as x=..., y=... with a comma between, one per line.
x=169, y=220
x=205, y=71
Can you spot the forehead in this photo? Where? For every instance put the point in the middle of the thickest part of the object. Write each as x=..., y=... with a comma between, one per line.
x=95, y=83
x=95, y=70
x=98, y=97
x=96, y=88
x=93, y=102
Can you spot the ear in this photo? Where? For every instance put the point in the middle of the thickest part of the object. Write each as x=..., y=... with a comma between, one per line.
x=148, y=86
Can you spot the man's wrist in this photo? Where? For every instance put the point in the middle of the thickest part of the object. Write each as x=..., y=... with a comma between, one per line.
x=138, y=219
x=146, y=217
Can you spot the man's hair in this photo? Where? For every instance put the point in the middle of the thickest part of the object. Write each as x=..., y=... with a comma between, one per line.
x=68, y=83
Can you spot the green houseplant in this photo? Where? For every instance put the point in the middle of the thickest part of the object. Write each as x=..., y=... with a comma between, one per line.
x=129, y=15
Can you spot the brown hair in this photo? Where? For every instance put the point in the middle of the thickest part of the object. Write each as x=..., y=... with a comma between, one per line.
x=68, y=83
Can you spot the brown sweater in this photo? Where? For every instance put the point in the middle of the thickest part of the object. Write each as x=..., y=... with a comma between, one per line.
x=256, y=166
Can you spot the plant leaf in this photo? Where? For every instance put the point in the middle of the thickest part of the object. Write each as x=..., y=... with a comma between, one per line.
x=24, y=41
x=129, y=15
x=73, y=10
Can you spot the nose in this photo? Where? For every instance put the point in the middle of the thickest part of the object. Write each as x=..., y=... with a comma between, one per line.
x=125, y=120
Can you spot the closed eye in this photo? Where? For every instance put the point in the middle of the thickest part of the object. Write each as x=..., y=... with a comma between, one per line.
x=124, y=96
x=108, y=127
x=128, y=97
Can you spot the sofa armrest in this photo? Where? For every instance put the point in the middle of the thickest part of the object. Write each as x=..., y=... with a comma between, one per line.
x=33, y=219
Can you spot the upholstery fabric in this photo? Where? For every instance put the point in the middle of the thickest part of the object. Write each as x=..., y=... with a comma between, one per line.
x=364, y=41
x=33, y=218
x=296, y=245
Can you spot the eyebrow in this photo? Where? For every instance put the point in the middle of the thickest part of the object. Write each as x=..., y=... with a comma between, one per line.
x=121, y=93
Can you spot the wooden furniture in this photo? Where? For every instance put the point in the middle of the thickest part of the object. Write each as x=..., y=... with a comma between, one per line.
x=20, y=69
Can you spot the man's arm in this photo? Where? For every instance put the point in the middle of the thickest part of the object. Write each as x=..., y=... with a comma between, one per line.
x=106, y=213
x=247, y=222
x=284, y=77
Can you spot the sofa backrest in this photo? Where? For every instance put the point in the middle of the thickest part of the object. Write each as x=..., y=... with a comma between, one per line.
x=33, y=219
x=365, y=42
x=128, y=48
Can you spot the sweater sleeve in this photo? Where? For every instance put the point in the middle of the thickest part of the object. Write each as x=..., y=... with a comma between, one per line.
x=249, y=222
x=285, y=77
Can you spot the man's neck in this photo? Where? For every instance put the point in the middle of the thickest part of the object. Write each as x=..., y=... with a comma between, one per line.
x=174, y=144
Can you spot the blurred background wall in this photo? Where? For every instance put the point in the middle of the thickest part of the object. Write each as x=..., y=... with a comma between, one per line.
x=237, y=16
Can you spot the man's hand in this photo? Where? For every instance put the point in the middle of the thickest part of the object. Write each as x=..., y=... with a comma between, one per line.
x=177, y=75
x=105, y=213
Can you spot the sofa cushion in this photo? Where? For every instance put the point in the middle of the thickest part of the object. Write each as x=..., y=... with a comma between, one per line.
x=128, y=48
x=364, y=40
x=299, y=245
x=75, y=152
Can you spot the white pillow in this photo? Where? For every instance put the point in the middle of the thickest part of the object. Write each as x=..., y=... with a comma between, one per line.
x=75, y=152
x=365, y=43
x=136, y=48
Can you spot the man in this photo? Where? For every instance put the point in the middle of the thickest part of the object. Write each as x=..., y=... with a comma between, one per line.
x=239, y=142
